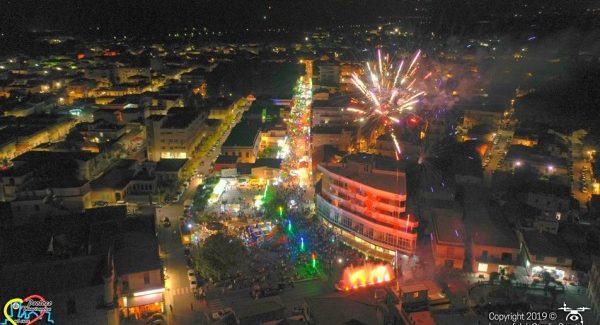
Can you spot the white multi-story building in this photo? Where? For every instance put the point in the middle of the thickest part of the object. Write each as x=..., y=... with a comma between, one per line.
x=364, y=201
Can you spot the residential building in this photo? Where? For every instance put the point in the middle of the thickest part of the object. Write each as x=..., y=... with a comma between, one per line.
x=331, y=112
x=482, y=116
x=371, y=305
x=363, y=200
x=339, y=137
x=545, y=164
x=448, y=239
x=221, y=108
x=176, y=135
x=493, y=248
x=225, y=162
x=243, y=142
x=138, y=278
x=266, y=168
x=543, y=251
x=272, y=136
x=169, y=170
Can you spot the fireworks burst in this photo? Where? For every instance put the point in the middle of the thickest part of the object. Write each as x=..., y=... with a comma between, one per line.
x=389, y=91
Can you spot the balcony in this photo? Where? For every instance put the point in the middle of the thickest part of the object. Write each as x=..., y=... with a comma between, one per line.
x=490, y=259
x=375, y=215
x=359, y=217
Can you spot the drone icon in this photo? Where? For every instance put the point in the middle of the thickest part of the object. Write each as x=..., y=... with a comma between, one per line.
x=574, y=314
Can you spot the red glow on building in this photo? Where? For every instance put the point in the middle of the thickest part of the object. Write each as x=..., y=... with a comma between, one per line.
x=365, y=275
x=110, y=53
x=80, y=56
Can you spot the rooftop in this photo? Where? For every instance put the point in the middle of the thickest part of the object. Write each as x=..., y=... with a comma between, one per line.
x=223, y=159
x=533, y=155
x=32, y=156
x=242, y=135
x=353, y=307
x=382, y=176
x=52, y=277
x=180, y=118
x=449, y=228
x=170, y=165
x=136, y=252
x=545, y=244
x=268, y=162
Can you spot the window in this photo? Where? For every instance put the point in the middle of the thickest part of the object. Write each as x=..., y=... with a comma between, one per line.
x=539, y=257
x=484, y=254
x=125, y=284
x=146, y=278
x=359, y=228
x=507, y=257
x=370, y=233
x=482, y=267
x=247, y=154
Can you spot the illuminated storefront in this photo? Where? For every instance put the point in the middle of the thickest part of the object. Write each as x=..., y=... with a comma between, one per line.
x=142, y=303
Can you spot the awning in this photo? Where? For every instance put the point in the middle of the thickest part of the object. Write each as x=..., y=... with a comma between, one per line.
x=144, y=300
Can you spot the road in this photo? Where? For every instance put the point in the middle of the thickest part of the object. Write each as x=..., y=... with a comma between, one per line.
x=290, y=298
x=206, y=161
x=178, y=293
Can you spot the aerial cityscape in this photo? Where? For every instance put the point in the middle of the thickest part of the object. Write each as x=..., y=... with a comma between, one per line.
x=393, y=162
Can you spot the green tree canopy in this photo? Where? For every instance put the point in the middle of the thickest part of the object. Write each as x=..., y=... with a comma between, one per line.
x=220, y=255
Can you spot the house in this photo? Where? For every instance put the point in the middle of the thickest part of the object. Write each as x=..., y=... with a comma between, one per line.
x=137, y=274
x=494, y=245
x=266, y=168
x=544, y=251
x=169, y=170
x=371, y=305
x=448, y=239
x=243, y=142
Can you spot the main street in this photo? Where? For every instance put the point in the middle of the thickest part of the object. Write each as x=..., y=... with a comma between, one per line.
x=179, y=295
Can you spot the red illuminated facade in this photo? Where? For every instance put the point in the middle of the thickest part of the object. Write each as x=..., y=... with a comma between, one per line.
x=364, y=201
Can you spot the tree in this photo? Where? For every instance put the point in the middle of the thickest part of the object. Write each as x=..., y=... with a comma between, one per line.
x=220, y=255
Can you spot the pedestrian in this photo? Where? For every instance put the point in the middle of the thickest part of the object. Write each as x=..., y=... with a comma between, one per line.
x=192, y=306
x=171, y=308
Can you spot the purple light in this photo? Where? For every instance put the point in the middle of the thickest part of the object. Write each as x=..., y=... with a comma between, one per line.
x=456, y=233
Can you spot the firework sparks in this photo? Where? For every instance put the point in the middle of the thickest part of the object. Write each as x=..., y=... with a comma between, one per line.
x=389, y=91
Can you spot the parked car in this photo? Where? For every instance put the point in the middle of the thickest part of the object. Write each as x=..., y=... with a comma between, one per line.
x=221, y=313
x=166, y=222
x=156, y=319
x=191, y=275
x=193, y=284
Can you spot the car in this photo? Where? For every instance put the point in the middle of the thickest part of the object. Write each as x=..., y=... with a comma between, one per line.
x=221, y=313
x=269, y=292
x=166, y=222
x=186, y=251
x=193, y=284
x=191, y=274
x=156, y=319
x=189, y=262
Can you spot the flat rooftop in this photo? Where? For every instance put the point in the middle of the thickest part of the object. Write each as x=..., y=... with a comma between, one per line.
x=545, y=244
x=389, y=183
x=180, y=118
x=449, y=228
x=242, y=135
